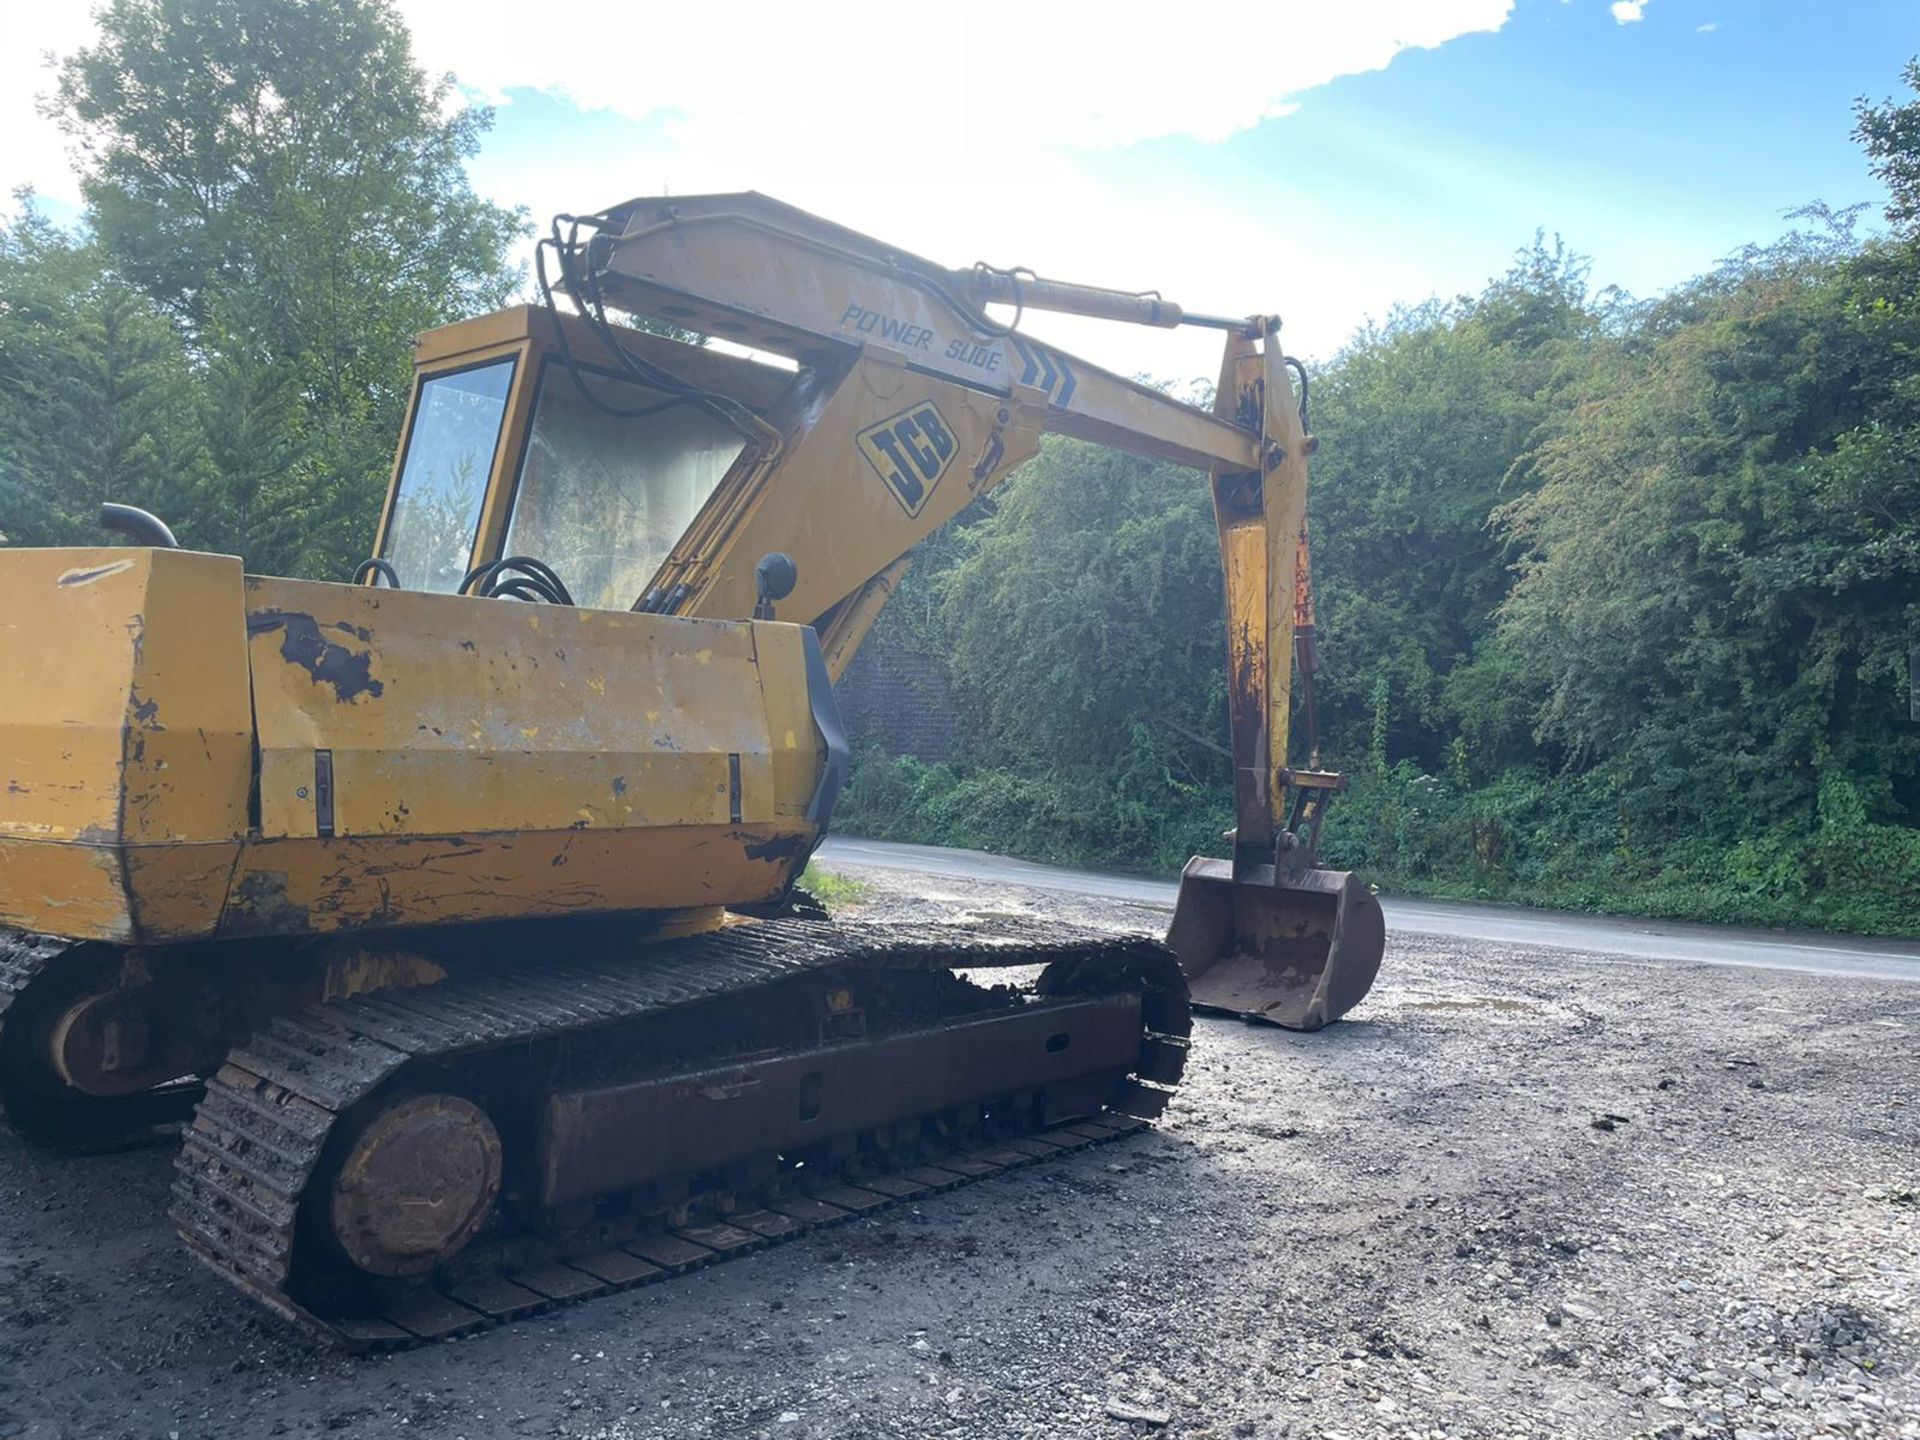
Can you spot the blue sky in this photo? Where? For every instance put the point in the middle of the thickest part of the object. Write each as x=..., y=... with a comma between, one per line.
x=1656, y=146
x=1321, y=158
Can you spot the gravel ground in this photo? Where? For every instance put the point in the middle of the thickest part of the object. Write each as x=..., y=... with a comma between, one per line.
x=1519, y=1193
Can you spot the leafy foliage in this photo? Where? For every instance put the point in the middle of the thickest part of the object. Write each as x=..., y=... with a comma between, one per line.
x=276, y=205
x=1080, y=618
x=98, y=398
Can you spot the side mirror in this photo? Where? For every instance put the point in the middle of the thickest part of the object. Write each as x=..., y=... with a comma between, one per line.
x=773, y=579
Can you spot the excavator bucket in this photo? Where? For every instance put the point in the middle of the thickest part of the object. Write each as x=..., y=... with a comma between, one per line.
x=1300, y=951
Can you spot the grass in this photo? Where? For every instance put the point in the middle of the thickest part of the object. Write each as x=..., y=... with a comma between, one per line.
x=834, y=890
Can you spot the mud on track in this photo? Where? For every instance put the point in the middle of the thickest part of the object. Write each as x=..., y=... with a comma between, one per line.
x=1408, y=1224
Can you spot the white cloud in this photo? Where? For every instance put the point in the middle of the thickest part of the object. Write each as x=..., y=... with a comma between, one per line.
x=769, y=82
x=955, y=135
x=1626, y=12
x=1065, y=74
x=1706, y=29
x=32, y=150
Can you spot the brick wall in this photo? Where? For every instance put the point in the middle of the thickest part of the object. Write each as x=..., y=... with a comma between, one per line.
x=897, y=701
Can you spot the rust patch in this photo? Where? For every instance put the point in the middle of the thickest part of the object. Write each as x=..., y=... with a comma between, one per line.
x=348, y=671
x=261, y=897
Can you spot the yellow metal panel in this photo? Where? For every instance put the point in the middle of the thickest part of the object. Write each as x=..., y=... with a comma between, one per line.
x=1286, y=512
x=288, y=887
x=68, y=625
x=177, y=891
x=796, y=749
x=125, y=739
x=190, y=731
x=445, y=715
x=844, y=505
x=64, y=888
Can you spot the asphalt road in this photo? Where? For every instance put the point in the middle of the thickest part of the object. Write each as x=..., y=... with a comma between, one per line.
x=1598, y=936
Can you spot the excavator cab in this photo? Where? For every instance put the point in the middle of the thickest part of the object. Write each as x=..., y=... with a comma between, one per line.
x=528, y=439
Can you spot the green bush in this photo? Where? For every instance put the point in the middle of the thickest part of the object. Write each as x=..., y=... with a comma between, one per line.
x=1075, y=819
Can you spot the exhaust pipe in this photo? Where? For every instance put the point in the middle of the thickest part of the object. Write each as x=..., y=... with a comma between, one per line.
x=142, y=527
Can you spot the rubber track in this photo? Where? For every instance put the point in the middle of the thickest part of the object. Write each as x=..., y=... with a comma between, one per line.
x=260, y=1132
x=22, y=957
x=78, y=1123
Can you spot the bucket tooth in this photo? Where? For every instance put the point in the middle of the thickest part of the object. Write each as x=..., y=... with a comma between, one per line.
x=1300, y=951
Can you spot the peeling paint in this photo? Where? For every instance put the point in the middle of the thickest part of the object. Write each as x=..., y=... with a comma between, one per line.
x=779, y=848
x=71, y=578
x=349, y=672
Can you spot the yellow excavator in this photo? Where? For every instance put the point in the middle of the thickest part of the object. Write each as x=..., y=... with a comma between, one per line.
x=454, y=909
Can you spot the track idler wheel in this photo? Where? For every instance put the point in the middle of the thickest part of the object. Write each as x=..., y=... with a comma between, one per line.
x=1300, y=950
x=416, y=1184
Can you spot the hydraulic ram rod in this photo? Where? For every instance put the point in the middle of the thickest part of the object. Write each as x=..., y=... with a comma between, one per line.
x=987, y=286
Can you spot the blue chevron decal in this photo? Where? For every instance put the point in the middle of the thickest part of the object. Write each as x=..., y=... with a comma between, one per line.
x=1026, y=359
x=1047, y=372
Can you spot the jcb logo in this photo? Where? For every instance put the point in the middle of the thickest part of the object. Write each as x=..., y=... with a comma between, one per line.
x=910, y=452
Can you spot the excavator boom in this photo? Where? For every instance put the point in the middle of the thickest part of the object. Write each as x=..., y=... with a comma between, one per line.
x=942, y=402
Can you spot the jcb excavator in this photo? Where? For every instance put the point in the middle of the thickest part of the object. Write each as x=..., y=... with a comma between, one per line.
x=456, y=905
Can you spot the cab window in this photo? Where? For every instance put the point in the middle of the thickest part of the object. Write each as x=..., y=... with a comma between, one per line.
x=602, y=498
x=456, y=428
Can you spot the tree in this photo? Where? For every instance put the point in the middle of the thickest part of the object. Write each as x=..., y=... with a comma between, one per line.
x=280, y=178
x=1721, y=577
x=98, y=400
x=1094, y=582
x=1890, y=134
x=1422, y=423
x=1080, y=614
